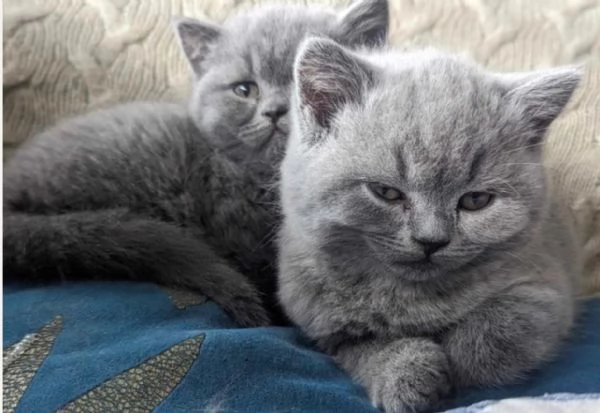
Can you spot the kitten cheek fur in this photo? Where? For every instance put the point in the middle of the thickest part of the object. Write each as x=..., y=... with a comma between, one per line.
x=500, y=297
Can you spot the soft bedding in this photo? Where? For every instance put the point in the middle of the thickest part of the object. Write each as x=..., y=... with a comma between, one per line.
x=555, y=403
x=112, y=347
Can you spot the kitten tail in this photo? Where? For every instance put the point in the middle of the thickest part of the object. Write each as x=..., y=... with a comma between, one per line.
x=117, y=244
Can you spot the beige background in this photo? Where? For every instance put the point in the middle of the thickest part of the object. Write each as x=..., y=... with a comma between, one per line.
x=63, y=57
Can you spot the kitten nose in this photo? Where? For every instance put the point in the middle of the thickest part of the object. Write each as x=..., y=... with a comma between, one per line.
x=431, y=245
x=275, y=112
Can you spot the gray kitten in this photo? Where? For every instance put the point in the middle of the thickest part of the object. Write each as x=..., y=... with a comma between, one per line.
x=421, y=246
x=174, y=194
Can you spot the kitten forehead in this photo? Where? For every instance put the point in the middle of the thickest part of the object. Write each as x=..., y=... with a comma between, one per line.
x=435, y=90
x=268, y=37
x=436, y=111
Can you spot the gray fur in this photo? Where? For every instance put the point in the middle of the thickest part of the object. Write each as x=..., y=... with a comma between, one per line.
x=171, y=193
x=488, y=307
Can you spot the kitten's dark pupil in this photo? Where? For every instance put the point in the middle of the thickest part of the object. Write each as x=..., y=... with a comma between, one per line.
x=474, y=201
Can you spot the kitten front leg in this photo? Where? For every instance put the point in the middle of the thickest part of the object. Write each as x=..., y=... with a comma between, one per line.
x=404, y=375
x=507, y=336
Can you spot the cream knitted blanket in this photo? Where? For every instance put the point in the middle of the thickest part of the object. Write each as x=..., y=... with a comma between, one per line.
x=63, y=57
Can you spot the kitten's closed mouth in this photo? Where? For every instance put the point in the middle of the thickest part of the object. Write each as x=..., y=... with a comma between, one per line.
x=424, y=263
x=274, y=133
x=277, y=132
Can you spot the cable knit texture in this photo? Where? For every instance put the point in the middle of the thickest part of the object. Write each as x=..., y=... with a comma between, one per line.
x=63, y=57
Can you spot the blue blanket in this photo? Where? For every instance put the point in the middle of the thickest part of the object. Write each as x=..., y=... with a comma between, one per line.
x=109, y=347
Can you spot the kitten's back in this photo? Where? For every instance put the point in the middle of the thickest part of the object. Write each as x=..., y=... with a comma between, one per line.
x=129, y=152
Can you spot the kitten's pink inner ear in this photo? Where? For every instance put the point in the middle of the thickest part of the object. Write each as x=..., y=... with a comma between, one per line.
x=328, y=77
x=320, y=103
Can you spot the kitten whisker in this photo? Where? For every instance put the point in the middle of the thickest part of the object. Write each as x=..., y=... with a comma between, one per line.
x=522, y=148
x=524, y=261
x=267, y=239
x=503, y=182
x=512, y=188
x=386, y=243
x=266, y=141
x=250, y=129
x=524, y=163
x=254, y=129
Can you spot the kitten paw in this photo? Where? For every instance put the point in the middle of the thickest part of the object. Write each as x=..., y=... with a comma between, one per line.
x=414, y=379
x=248, y=312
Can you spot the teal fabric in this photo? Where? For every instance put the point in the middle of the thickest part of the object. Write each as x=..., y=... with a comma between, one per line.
x=112, y=344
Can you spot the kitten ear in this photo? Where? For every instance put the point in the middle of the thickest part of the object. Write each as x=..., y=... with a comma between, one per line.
x=195, y=38
x=327, y=77
x=364, y=23
x=542, y=95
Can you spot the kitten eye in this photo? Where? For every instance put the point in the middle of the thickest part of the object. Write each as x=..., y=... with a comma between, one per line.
x=247, y=90
x=387, y=193
x=474, y=201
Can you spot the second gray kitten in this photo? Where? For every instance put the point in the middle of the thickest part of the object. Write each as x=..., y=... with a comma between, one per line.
x=421, y=245
x=174, y=194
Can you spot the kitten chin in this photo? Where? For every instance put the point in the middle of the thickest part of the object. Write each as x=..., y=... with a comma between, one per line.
x=427, y=270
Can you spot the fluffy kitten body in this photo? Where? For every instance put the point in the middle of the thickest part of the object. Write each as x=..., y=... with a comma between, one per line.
x=175, y=194
x=388, y=260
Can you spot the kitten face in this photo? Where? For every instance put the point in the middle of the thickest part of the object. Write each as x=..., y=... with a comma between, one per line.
x=416, y=165
x=244, y=69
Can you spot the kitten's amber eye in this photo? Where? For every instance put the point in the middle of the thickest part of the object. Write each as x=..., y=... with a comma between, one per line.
x=387, y=193
x=248, y=90
x=474, y=201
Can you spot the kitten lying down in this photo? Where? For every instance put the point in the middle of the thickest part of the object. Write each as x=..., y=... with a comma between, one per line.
x=174, y=193
x=421, y=246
